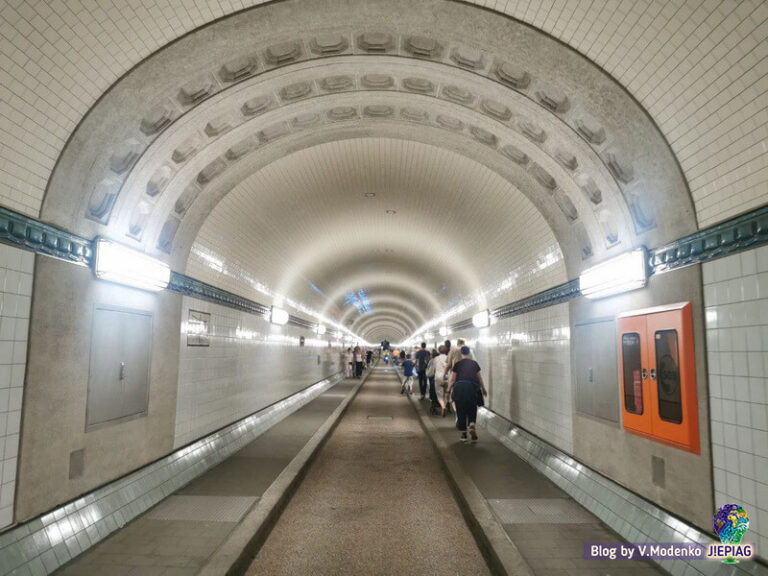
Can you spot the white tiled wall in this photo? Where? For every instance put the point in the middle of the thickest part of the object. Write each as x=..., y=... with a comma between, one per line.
x=736, y=300
x=246, y=368
x=527, y=360
x=16, y=267
x=695, y=66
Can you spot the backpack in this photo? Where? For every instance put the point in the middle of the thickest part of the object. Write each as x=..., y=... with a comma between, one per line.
x=431, y=368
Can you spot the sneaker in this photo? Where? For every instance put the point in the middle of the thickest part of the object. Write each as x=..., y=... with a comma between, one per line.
x=421, y=397
x=473, y=433
x=463, y=436
x=402, y=390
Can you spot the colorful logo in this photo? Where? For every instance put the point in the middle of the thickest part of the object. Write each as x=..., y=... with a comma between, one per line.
x=731, y=523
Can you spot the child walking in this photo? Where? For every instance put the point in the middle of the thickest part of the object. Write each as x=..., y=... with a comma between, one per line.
x=408, y=373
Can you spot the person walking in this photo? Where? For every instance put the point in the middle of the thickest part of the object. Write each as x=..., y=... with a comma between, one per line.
x=439, y=363
x=358, y=362
x=348, y=362
x=466, y=383
x=454, y=355
x=434, y=403
x=408, y=373
x=422, y=358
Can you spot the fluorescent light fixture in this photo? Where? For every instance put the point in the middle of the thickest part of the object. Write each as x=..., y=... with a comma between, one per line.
x=321, y=329
x=620, y=274
x=278, y=316
x=428, y=336
x=481, y=319
x=443, y=331
x=117, y=263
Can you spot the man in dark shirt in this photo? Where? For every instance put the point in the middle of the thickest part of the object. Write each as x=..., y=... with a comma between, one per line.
x=465, y=382
x=422, y=359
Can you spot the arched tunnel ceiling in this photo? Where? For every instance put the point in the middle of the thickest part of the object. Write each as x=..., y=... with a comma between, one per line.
x=692, y=65
x=238, y=146
x=306, y=222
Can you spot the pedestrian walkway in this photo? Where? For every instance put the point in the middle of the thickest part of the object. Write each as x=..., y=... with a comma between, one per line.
x=178, y=536
x=547, y=526
x=375, y=501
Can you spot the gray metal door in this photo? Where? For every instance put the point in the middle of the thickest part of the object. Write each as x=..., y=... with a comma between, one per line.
x=104, y=386
x=595, y=369
x=118, y=383
x=137, y=336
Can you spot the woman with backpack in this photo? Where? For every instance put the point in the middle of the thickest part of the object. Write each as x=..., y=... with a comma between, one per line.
x=467, y=384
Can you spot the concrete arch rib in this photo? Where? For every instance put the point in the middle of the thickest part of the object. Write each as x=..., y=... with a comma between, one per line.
x=499, y=39
x=215, y=151
x=569, y=237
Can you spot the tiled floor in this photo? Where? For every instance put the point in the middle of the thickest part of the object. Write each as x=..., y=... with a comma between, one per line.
x=551, y=537
x=176, y=537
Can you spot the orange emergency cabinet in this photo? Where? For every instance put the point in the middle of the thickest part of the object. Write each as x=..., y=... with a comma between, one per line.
x=657, y=371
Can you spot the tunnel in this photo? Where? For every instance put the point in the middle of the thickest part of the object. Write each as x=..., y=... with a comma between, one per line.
x=206, y=207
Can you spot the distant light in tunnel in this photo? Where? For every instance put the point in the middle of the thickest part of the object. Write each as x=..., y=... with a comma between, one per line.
x=359, y=300
x=620, y=274
x=316, y=289
x=370, y=194
x=481, y=319
x=117, y=263
x=278, y=316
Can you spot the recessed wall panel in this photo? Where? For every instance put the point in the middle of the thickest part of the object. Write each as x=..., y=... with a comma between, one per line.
x=594, y=362
x=118, y=381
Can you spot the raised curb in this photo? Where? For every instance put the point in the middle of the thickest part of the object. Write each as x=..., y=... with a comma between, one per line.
x=237, y=552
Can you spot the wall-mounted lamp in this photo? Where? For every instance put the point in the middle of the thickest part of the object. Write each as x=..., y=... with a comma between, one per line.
x=481, y=319
x=117, y=263
x=278, y=316
x=620, y=274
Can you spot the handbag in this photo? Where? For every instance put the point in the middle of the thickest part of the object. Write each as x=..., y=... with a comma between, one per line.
x=479, y=396
x=431, y=369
